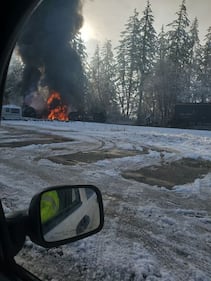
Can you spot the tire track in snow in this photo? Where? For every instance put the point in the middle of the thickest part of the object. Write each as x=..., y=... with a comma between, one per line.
x=141, y=234
x=171, y=256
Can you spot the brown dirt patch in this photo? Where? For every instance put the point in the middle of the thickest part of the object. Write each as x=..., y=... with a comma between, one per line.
x=33, y=141
x=179, y=172
x=93, y=156
x=14, y=137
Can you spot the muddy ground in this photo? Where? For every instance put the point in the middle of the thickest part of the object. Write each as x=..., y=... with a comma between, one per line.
x=183, y=171
x=167, y=174
x=150, y=233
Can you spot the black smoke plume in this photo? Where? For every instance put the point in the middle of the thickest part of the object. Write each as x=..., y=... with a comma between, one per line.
x=47, y=53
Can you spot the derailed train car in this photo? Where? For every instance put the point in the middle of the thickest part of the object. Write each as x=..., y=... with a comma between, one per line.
x=192, y=115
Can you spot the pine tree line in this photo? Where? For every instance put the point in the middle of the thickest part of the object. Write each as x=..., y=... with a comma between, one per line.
x=147, y=74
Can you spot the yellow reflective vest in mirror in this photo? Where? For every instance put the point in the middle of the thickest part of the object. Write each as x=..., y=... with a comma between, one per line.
x=49, y=205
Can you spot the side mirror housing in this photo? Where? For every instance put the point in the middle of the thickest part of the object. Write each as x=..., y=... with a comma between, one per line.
x=63, y=214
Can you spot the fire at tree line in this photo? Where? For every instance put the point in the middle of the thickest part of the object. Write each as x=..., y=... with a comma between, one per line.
x=150, y=78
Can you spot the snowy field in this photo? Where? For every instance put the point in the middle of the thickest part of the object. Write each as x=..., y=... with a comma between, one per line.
x=151, y=232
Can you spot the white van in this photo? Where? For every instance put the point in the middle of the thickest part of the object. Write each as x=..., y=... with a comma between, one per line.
x=11, y=112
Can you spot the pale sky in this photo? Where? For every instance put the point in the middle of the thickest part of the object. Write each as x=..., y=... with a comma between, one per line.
x=105, y=19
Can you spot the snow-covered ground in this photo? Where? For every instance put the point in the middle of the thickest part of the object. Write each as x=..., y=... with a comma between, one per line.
x=150, y=232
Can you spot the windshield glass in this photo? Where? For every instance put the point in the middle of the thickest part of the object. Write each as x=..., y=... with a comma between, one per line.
x=116, y=94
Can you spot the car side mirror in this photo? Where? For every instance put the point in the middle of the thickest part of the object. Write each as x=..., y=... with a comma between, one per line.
x=63, y=214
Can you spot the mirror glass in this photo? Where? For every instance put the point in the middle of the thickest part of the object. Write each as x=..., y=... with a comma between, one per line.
x=68, y=212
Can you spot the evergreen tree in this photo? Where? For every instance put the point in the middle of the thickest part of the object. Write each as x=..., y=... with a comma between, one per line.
x=147, y=53
x=79, y=46
x=195, y=64
x=127, y=66
x=162, y=82
x=108, y=74
x=206, y=69
x=162, y=45
x=95, y=91
x=179, y=53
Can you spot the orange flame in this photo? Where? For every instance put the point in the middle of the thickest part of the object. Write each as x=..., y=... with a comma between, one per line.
x=58, y=111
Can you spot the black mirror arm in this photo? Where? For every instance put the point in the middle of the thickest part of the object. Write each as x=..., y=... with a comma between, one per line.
x=24, y=274
x=6, y=249
x=17, y=228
